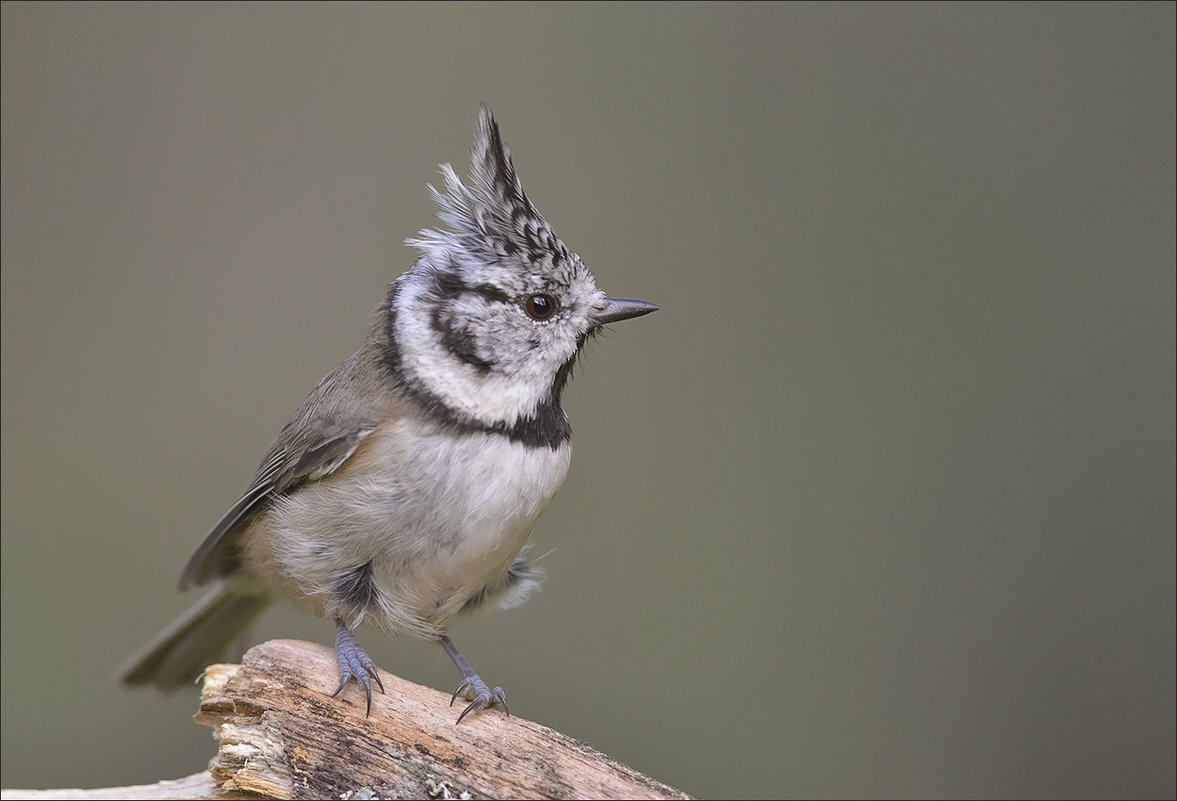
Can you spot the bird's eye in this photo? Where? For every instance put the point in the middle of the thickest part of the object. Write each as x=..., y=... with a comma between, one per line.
x=541, y=307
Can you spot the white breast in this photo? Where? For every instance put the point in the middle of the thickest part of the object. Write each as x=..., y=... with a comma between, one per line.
x=438, y=516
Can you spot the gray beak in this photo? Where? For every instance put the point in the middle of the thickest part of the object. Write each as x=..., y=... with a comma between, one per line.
x=623, y=309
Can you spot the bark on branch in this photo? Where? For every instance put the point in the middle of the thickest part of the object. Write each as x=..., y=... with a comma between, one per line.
x=282, y=735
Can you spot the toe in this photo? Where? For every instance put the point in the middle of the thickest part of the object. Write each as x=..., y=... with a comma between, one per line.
x=354, y=663
x=480, y=697
x=500, y=699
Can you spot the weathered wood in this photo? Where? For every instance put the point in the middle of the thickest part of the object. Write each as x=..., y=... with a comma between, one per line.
x=282, y=735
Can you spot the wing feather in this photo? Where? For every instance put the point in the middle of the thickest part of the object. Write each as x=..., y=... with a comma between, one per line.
x=332, y=422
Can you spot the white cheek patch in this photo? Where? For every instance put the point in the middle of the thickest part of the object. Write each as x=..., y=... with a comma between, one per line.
x=498, y=395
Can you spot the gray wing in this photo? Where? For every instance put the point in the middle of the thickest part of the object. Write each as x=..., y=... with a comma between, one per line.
x=344, y=408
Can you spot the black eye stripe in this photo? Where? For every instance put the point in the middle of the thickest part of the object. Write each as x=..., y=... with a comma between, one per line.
x=450, y=286
x=490, y=293
x=539, y=305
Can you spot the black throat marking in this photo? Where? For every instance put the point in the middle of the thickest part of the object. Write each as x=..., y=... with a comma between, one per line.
x=548, y=427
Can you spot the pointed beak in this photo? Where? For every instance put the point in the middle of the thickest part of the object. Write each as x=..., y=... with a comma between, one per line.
x=623, y=309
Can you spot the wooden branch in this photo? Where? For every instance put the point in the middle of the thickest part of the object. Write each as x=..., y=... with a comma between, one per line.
x=282, y=735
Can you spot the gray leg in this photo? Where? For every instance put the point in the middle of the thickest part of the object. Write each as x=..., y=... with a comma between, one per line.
x=353, y=662
x=472, y=688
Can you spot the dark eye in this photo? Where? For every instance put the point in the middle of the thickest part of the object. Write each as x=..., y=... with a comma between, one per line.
x=541, y=307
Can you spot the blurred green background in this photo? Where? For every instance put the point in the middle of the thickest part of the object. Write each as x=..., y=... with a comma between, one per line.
x=881, y=503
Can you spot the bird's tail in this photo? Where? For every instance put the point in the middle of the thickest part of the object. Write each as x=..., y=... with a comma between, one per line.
x=179, y=654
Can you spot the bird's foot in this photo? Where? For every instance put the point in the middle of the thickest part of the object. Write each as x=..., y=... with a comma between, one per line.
x=354, y=663
x=474, y=690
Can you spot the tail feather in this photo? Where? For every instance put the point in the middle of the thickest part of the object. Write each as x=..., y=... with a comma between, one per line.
x=179, y=654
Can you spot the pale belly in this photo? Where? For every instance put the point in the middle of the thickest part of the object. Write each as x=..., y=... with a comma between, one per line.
x=416, y=525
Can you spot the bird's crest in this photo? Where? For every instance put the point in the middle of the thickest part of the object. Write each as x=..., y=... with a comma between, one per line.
x=493, y=216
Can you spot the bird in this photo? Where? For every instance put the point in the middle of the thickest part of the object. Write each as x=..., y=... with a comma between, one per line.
x=403, y=492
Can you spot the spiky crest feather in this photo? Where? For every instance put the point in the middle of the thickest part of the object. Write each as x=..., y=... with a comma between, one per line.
x=492, y=217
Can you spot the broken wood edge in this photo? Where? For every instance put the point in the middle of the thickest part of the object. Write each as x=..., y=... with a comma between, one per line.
x=282, y=735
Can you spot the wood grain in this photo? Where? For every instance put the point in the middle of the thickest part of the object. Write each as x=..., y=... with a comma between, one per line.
x=283, y=736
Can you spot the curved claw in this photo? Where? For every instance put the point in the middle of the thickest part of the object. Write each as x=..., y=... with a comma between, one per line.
x=480, y=697
x=472, y=687
x=465, y=685
x=354, y=663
